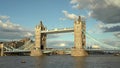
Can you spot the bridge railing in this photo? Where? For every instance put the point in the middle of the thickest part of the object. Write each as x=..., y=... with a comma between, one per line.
x=57, y=30
x=55, y=49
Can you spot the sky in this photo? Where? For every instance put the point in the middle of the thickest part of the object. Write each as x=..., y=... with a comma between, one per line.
x=18, y=19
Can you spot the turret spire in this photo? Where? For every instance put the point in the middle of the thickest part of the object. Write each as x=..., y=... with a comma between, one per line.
x=40, y=22
x=79, y=18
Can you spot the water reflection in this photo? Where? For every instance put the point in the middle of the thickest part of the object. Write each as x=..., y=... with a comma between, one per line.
x=60, y=61
x=79, y=62
x=39, y=62
x=65, y=61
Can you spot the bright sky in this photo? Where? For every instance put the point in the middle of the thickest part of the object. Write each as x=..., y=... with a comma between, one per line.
x=18, y=19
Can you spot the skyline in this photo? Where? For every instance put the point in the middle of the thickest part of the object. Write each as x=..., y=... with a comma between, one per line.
x=21, y=17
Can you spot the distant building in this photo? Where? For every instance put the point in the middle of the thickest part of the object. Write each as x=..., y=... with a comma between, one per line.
x=24, y=40
x=16, y=44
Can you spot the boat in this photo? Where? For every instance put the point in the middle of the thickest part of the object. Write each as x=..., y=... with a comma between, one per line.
x=116, y=54
x=23, y=61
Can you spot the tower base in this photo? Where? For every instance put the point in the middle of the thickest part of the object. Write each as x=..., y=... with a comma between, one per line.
x=36, y=53
x=78, y=52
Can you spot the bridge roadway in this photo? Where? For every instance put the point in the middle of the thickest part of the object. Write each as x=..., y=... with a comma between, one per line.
x=25, y=51
x=68, y=50
x=63, y=30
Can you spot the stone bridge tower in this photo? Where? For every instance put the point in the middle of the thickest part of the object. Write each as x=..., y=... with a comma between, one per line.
x=40, y=40
x=79, y=38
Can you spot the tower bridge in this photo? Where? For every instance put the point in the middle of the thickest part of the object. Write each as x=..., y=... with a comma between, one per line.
x=79, y=38
x=79, y=47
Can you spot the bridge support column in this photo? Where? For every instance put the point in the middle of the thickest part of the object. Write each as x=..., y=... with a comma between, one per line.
x=79, y=38
x=79, y=52
x=36, y=52
x=40, y=40
x=1, y=48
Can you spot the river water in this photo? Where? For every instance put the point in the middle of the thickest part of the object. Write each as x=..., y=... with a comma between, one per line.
x=60, y=61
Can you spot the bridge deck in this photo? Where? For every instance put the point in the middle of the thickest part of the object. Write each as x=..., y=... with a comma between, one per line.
x=26, y=51
x=58, y=31
x=47, y=51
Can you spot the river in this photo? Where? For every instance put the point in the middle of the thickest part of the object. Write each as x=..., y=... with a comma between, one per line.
x=60, y=61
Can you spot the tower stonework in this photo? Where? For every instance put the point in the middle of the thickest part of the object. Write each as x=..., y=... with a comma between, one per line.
x=79, y=38
x=40, y=40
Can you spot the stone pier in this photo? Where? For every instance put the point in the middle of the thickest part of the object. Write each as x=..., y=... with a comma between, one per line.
x=1, y=49
x=36, y=52
x=79, y=52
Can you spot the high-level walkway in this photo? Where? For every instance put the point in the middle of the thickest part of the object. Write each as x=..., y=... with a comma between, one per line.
x=62, y=30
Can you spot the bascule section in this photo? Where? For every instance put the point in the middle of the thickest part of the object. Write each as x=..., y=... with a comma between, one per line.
x=79, y=38
x=40, y=40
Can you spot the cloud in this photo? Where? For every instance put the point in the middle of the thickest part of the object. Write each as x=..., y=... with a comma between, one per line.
x=80, y=4
x=106, y=11
x=4, y=17
x=60, y=44
x=112, y=29
x=62, y=19
x=112, y=42
x=109, y=27
x=9, y=26
x=9, y=30
x=70, y=16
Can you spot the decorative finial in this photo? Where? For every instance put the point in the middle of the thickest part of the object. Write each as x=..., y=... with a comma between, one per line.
x=40, y=22
x=79, y=18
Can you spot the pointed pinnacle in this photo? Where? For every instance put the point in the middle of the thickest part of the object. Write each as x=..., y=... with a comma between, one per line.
x=79, y=18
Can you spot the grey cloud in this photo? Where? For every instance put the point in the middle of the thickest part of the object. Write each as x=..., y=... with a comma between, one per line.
x=112, y=29
x=10, y=31
x=106, y=11
x=109, y=14
x=10, y=35
x=112, y=42
x=15, y=35
x=108, y=27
